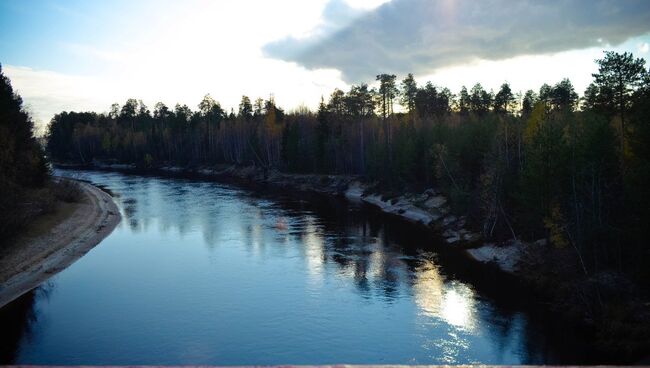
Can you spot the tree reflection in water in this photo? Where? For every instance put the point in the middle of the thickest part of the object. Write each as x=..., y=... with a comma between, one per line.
x=454, y=307
x=17, y=319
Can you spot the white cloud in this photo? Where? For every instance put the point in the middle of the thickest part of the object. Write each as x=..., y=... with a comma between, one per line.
x=644, y=48
x=421, y=36
x=522, y=72
x=196, y=47
x=188, y=49
x=46, y=93
x=366, y=4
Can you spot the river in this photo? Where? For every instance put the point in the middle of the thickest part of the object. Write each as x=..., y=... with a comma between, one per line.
x=200, y=272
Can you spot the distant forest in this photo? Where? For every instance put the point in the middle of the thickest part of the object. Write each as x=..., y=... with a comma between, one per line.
x=545, y=164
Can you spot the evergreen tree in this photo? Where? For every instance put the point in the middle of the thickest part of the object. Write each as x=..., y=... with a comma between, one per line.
x=504, y=99
x=409, y=92
x=245, y=108
x=622, y=74
x=528, y=103
x=387, y=92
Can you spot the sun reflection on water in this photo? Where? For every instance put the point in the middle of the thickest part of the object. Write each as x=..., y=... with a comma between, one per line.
x=428, y=289
x=452, y=302
x=313, y=252
x=458, y=306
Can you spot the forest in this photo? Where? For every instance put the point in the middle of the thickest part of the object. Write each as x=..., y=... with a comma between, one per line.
x=24, y=173
x=539, y=165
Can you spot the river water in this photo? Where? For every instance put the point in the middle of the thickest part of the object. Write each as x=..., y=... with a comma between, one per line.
x=199, y=272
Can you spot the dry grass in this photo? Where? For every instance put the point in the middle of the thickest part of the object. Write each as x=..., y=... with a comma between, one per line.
x=66, y=190
x=20, y=208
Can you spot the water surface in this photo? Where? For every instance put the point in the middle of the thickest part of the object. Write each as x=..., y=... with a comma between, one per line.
x=199, y=272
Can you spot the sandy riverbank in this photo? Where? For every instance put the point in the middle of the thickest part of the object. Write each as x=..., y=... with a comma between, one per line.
x=56, y=241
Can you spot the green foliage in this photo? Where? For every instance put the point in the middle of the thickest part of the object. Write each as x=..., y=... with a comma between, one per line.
x=21, y=158
x=322, y=137
x=504, y=99
x=245, y=107
x=545, y=168
x=545, y=171
x=409, y=91
x=528, y=103
x=23, y=168
x=428, y=101
x=563, y=96
x=637, y=176
x=387, y=93
x=464, y=101
x=622, y=74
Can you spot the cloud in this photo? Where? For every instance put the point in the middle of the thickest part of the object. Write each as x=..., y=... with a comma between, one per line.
x=644, y=48
x=421, y=36
x=336, y=15
x=46, y=93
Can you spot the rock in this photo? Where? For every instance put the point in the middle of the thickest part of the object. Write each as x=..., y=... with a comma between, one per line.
x=451, y=236
x=505, y=257
x=118, y=166
x=172, y=169
x=430, y=192
x=471, y=237
x=448, y=220
x=435, y=215
x=417, y=215
x=376, y=201
x=355, y=191
x=461, y=222
x=435, y=202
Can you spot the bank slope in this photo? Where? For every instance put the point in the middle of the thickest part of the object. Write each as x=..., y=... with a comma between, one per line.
x=34, y=259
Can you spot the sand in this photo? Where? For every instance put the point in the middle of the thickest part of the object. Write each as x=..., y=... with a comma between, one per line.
x=55, y=241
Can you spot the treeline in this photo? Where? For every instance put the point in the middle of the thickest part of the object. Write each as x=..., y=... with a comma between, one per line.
x=544, y=164
x=23, y=168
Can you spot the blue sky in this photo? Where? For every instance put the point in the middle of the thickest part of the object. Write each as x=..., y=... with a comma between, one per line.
x=39, y=34
x=85, y=55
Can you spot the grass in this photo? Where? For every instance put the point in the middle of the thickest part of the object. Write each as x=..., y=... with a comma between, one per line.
x=22, y=209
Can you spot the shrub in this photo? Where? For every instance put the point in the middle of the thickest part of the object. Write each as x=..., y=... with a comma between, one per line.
x=66, y=190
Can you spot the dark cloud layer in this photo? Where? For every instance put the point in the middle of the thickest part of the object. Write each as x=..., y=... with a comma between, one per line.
x=420, y=36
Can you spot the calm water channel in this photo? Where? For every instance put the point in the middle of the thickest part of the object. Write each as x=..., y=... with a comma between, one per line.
x=199, y=272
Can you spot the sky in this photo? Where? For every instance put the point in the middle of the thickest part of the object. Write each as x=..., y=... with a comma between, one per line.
x=85, y=55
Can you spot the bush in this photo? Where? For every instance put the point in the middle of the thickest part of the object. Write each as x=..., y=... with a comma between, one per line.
x=21, y=208
x=66, y=190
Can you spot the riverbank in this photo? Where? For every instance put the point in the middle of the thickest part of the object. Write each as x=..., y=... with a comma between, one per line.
x=55, y=241
x=608, y=304
x=428, y=208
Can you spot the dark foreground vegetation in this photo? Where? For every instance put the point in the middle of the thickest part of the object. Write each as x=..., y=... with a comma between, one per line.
x=23, y=170
x=542, y=165
x=26, y=188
